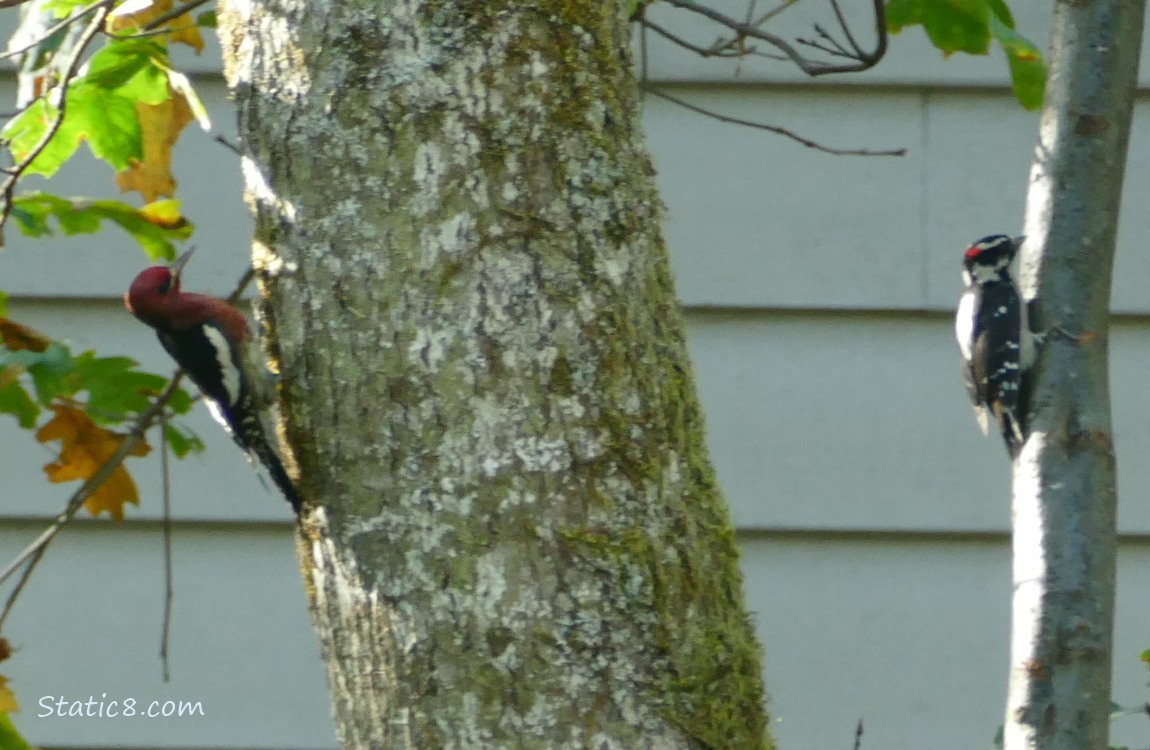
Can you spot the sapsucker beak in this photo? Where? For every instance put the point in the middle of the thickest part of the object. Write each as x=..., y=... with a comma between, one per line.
x=179, y=263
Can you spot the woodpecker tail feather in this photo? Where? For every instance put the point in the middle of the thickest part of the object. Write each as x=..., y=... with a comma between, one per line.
x=267, y=458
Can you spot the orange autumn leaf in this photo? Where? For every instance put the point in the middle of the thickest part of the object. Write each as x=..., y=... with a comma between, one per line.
x=183, y=28
x=85, y=447
x=17, y=337
x=8, y=702
x=160, y=126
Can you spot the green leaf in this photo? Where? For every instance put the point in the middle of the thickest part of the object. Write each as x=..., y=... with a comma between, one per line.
x=131, y=68
x=181, y=401
x=207, y=19
x=108, y=121
x=10, y=739
x=182, y=440
x=968, y=26
x=24, y=133
x=3, y=304
x=49, y=369
x=1027, y=68
x=14, y=399
x=952, y=25
x=116, y=389
x=52, y=372
x=155, y=226
x=1002, y=13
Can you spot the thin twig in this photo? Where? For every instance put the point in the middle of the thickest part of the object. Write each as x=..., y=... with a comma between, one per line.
x=858, y=735
x=776, y=129
x=166, y=481
x=9, y=184
x=835, y=47
x=777, y=10
x=719, y=50
x=173, y=14
x=228, y=144
x=810, y=67
x=52, y=30
x=845, y=27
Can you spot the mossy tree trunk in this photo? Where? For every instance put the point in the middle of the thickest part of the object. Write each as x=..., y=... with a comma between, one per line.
x=513, y=536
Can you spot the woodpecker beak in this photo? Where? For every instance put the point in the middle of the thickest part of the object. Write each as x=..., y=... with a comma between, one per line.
x=178, y=264
x=1017, y=241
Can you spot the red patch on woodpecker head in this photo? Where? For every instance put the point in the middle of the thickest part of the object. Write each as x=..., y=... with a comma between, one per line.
x=973, y=251
x=146, y=294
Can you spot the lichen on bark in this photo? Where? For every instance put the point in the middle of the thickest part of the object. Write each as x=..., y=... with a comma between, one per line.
x=514, y=535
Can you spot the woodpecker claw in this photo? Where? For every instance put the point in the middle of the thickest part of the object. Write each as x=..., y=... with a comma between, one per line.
x=1086, y=337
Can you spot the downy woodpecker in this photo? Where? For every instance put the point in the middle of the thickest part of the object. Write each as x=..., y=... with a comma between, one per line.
x=212, y=342
x=994, y=336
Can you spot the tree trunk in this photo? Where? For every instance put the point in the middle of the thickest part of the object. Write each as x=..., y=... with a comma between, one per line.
x=1064, y=482
x=513, y=536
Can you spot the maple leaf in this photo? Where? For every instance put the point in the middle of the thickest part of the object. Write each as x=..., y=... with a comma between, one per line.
x=85, y=447
x=138, y=13
x=8, y=702
x=160, y=126
x=16, y=337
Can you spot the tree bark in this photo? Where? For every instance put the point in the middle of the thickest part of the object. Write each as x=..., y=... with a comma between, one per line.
x=513, y=536
x=1065, y=494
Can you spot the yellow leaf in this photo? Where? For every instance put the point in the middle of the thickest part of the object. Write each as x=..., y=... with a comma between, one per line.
x=84, y=448
x=137, y=15
x=164, y=214
x=8, y=702
x=160, y=125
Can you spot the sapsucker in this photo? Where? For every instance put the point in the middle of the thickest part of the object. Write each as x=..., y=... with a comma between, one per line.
x=212, y=341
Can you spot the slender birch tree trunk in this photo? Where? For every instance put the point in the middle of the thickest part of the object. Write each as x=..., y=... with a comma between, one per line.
x=1065, y=495
x=513, y=536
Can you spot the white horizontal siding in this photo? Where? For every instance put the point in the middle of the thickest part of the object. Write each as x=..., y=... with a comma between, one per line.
x=241, y=644
x=910, y=635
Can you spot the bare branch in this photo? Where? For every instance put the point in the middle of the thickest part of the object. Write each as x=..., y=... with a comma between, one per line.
x=52, y=30
x=228, y=144
x=724, y=49
x=862, y=60
x=166, y=481
x=847, y=33
x=775, y=129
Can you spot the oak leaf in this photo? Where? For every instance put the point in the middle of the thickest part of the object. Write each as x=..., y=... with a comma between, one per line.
x=85, y=447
